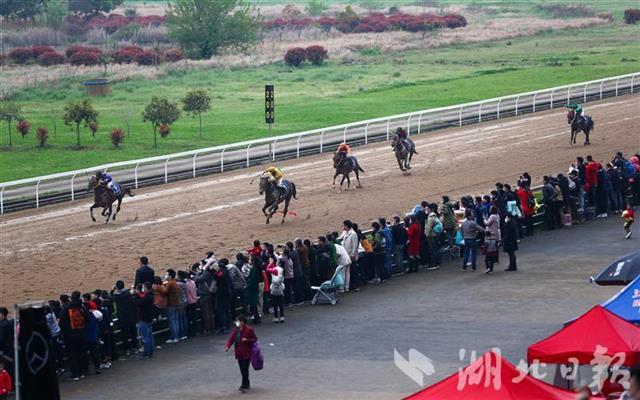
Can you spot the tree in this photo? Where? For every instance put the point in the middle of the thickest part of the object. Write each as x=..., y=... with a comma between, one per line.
x=76, y=112
x=315, y=8
x=54, y=14
x=196, y=102
x=93, y=7
x=10, y=112
x=160, y=111
x=203, y=27
x=20, y=9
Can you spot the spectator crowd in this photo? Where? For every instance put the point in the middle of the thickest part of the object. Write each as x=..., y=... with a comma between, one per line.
x=206, y=297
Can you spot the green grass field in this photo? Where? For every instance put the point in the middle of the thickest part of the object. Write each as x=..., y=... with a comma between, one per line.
x=312, y=97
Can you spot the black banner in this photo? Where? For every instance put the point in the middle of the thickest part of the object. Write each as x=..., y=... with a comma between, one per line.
x=38, y=380
x=269, y=104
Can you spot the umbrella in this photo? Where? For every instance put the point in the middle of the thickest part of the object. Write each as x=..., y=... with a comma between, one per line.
x=620, y=272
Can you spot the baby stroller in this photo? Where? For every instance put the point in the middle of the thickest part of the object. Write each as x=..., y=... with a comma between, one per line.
x=326, y=292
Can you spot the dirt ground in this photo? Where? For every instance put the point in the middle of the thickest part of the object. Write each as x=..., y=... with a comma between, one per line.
x=57, y=249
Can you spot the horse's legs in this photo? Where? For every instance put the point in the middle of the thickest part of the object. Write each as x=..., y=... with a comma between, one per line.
x=334, y=178
x=109, y=213
x=117, y=208
x=399, y=163
x=586, y=132
x=286, y=208
x=342, y=181
x=91, y=211
x=358, y=178
x=409, y=160
x=348, y=182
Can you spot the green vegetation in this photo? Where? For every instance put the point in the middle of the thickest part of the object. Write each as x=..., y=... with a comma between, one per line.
x=373, y=84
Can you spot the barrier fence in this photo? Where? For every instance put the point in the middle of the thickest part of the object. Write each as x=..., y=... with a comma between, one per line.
x=65, y=186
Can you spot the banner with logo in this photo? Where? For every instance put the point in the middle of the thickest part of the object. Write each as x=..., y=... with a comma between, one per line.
x=38, y=380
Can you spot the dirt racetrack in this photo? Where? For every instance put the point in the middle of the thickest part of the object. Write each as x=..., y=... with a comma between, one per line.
x=57, y=248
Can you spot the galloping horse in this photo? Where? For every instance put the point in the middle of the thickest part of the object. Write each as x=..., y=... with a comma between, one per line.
x=404, y=149
x=274, y=195
x=105, y=198
x=584, y=124
x=344, y=166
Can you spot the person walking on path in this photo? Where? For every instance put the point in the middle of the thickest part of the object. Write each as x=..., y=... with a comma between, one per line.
x=242, y=337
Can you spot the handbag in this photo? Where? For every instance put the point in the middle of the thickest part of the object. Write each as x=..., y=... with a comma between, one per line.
x=257, y=359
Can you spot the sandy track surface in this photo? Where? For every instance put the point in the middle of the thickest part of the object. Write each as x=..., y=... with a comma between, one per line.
x=57, y=249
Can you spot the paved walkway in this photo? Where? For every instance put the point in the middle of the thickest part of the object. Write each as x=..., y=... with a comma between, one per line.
x=346, y=351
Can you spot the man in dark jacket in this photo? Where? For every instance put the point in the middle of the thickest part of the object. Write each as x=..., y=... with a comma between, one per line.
x=510, y=241
x=73, y=322
x=298, y=275
x=206, y=297
x=223, y=294
x=144, y=273
x=400, y=239
x=126, y=312
x=146, y=314
x=550, y=211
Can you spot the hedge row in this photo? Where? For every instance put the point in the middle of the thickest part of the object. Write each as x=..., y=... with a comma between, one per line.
x=632, y=15
x=314, y=54
x=82, y=55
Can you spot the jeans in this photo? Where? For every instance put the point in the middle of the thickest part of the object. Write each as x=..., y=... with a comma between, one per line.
x=512, y=260
x=278, y=306
x=434, y=248
x=398, y=256
x=470, y=246
x=173, y=314
x=244, y=370
x=145, y=331
x=614, y=197
x=183, y=322
x=206, y=310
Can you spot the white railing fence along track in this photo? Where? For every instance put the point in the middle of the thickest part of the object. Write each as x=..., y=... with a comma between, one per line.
x=34, y=192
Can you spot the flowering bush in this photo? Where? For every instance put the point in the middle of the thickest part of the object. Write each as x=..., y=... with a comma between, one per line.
x=316, y=54
x=295, y=56
x=84, y=58
x=148, y=58
x=127, y=55
x=110, y=24
x=20, y=55
x=631, y=15
x=50, y=58
x=71, y=50
x=37, y=50
x=164, y=130
x=117, y=135
x=23, y=127
x=93, y=127
x=153, y=20
x=42, y=135
x=173, y=55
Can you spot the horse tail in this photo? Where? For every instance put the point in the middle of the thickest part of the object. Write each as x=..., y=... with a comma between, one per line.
x=293, y=190
x=128, y=191
x=359, y=167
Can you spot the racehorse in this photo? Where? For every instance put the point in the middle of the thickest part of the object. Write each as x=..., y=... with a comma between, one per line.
x=584, y=124
x=103, y=197
x=344, y=165
x=274, y=195
x=404, y=149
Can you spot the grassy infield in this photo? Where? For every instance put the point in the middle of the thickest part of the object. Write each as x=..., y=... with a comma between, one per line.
x=310, y=97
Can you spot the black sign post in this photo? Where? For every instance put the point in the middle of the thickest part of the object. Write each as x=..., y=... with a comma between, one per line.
x=269, y=111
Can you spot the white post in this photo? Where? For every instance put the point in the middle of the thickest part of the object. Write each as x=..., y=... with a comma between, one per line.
x=534, y=101
x=2, y=200
x=388, y=122
x=366, y=133
x=166, y=170
x=273, y=153
x=601, y=84
x=498, y=111
x=517, y=100
x=222, y=160
x=344, y=135
x=460, y=116
x=568, y=95
x=194, y=164
x=135, y=175
x=321, y=140
x=617, y=82
x=585, y=93
x=298, y=146
x=37, y=194
x=632, y=78
x=419, y=121
x=480, y=112
x=552, y=92
x=248, y=147
x=72, y=189
x=409, y=125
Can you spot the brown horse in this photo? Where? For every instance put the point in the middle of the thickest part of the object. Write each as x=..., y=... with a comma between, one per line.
x=584, y=124
x=344, y=166
x=274, y=195
x=404, y=149
x=103, y=197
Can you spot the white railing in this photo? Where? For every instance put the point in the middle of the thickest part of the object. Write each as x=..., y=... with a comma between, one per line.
x=64, y=186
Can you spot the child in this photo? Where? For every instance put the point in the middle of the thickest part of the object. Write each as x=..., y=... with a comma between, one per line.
x=490, y=252
x=628, y=218
x=6, y=386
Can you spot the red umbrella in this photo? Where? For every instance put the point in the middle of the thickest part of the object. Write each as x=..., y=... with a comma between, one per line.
x=492, y=377
x=597, y=328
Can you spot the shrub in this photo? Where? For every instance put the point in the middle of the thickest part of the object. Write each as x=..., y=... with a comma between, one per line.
x=23, y=127
x=150, y=20
x=20, y=55
x=93, y=127
x=631, y=15
x=117, y=135
x=42, y=135
x=295, y=56
x=315, y=8
x=71, y=50
x=566, y=10
x=164, y=129
x=173, y=55
x=84, y=58
x=37, y=50
x=327, y=23
x=127, y=54
x=454, y=21
x=316, y=54
x=148, y=58
x=50, y=58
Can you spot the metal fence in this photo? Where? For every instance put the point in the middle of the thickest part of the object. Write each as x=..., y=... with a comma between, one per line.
x=34, y=192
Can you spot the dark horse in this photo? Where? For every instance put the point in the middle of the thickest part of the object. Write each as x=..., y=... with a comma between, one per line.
x=584, y=124
x=344, y=166
x=274, y=195
x=103, y=197
x=404, y=149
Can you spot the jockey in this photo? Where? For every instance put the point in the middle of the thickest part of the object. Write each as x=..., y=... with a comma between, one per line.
x=105, y=179
x=344, y=148
x=577, y=111
x=276, y=175
x=402, y=134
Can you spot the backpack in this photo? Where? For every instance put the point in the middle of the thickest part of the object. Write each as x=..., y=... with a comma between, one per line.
x=76, y=319
x=437, y=228
x=627, y=169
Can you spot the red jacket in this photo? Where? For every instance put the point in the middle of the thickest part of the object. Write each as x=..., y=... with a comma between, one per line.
x=243, y=345
x=524, y=196
x=591, y=175
x=5, y=383
x=413, y=231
